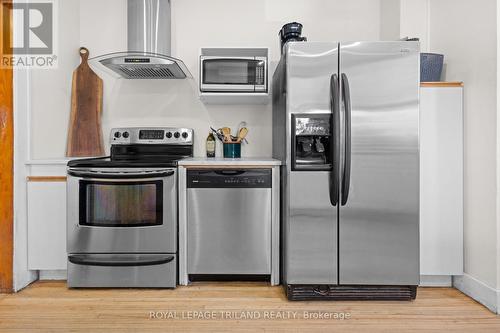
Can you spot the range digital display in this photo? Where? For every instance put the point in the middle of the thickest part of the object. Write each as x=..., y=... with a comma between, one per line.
x=151, y=134
x=137, y=60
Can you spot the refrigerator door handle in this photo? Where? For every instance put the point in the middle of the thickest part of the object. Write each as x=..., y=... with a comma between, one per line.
x=346, y=173
x=335, y=147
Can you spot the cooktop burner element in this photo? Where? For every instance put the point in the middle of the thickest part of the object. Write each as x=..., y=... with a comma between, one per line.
x=143, y=147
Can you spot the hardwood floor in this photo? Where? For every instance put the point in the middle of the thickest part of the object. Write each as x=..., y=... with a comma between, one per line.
x=51, y=307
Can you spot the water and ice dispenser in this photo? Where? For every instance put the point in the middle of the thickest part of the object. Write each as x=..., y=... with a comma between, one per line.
x=311, y=142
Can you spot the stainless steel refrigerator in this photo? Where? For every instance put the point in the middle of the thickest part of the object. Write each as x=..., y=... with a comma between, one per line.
x=345, y=125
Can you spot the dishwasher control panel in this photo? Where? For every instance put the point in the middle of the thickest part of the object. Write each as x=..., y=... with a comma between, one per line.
x=229, y=178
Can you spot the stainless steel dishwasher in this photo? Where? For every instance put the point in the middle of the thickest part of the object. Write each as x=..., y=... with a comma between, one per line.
x=229, y=222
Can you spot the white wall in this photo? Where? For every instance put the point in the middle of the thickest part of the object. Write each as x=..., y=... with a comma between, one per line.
x=467, y=38
x=390, y=22
x=414, y=15
x=51, y=89
x=405, y=18
x=195, y=24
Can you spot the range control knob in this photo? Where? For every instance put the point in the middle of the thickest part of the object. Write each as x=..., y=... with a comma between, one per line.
x=125, y=135
x=168, y=135
x=184, y=135
x=176, y=135
x=117, y=135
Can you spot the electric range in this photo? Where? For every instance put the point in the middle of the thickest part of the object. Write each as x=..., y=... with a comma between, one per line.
x=122, y=210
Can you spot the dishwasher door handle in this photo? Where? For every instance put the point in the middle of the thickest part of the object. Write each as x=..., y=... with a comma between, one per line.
x=229, y=172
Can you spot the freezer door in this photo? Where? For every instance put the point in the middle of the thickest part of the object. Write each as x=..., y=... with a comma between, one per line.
x=378, y=230
x=311, y=255
x=310, y=218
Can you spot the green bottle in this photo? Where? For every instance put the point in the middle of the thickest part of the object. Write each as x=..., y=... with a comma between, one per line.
x=210, y=145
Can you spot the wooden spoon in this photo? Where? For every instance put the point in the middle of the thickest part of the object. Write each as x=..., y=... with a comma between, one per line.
x=227, y=134
x=242, y=134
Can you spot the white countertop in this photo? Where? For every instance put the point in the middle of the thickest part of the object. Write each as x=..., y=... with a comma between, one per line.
x=230, y=161
x=187, y=161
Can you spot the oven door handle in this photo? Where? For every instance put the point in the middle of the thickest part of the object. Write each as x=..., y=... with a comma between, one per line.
x=98, y=175
x=87, y=260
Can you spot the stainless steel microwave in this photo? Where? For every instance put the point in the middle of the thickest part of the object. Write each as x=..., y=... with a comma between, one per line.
x=233, y=74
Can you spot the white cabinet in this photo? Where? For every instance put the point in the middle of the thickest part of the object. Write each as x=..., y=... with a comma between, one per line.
x=441, y=180
x=47, y=224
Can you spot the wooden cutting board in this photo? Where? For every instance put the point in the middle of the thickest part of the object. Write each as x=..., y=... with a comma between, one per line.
x=85, y=133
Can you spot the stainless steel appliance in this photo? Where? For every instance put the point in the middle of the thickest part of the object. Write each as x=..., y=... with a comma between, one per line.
x=229, y=222
x=148, y=39
x=345, y=125
x=122, y=210
x=233, y=74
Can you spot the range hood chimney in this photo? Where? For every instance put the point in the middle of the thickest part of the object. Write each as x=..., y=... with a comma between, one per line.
x=148, y=26
x=148, y=43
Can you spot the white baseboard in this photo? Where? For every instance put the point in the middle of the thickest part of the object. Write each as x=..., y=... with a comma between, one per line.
x=23, y=278
x=53, y=275
x=484, y=294
x=435, y=281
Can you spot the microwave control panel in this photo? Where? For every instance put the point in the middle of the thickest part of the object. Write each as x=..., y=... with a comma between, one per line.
x=260, y=75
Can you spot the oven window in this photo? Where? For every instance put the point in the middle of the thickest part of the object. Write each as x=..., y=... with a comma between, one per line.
x=121, y=204
x=229, y=71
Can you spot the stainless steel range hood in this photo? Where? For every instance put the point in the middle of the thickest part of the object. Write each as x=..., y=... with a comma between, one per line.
x=148, y=42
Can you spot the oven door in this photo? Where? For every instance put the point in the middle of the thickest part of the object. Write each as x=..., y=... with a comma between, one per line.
x=234, y=74
x=121, y=210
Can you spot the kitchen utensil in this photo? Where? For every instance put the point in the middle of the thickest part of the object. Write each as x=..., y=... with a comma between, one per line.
x=226, y=131
x=218, y=134
x=240, y=125
x=242, y=134
x=85, y=134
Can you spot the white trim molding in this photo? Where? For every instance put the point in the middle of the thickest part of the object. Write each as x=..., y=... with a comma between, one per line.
x=484, y=294
x=53, y=274
x=435, y=281
x=21, y=91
